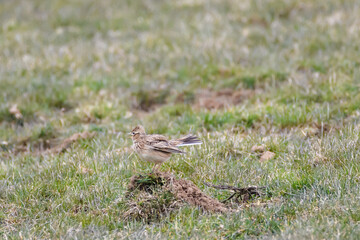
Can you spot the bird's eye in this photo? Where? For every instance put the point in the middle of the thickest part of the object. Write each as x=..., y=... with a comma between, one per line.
x=132, y=133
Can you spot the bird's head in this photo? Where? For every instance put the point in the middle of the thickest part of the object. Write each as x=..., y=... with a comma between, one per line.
x=137, y=132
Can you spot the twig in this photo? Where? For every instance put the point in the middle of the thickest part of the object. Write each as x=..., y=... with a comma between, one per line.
x=238, y=192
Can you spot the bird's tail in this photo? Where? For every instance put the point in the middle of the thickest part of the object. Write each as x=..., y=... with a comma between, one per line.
x=186, y=141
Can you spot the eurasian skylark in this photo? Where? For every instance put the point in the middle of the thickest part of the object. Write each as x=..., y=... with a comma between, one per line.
x=157, y=148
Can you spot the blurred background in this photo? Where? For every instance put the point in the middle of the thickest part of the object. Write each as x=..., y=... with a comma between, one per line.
x=91, y=62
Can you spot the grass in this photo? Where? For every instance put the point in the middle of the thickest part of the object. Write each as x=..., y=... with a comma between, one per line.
x=107, y=66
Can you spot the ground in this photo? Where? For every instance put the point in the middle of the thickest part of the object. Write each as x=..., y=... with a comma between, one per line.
x=76, y=76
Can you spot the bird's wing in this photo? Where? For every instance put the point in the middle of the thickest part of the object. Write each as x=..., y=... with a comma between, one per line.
x=156, y=138
x=160, y=143
x=165, y=147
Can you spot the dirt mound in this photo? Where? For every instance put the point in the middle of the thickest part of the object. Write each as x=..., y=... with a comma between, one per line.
x=149, y=100
x=152, y=195
x=45, y=143
x=182, y=189
x=317, y=129
x=220, y=99
x=72, y=139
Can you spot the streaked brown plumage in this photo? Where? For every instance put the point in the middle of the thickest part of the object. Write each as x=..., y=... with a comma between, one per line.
x=157, y=148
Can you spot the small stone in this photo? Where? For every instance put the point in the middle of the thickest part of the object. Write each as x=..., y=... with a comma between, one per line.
x=15, y=111
x=128, y=115
x=258, y=148
x=266, y=156
x=85, y=170
x=309, y=131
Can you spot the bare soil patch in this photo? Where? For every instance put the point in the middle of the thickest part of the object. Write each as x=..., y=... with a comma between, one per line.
x=149, y=100
x=317, y=129
x=221, y=99
x=48, y=144
x=69, y=141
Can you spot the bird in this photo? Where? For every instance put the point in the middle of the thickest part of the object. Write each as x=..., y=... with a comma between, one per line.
x=157, y=148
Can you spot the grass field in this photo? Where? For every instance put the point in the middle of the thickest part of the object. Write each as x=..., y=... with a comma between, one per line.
x=284, y=74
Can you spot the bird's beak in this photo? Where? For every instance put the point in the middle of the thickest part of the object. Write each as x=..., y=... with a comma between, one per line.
x=129, y=134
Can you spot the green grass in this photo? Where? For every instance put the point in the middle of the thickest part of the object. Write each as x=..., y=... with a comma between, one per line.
x=106, y=66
